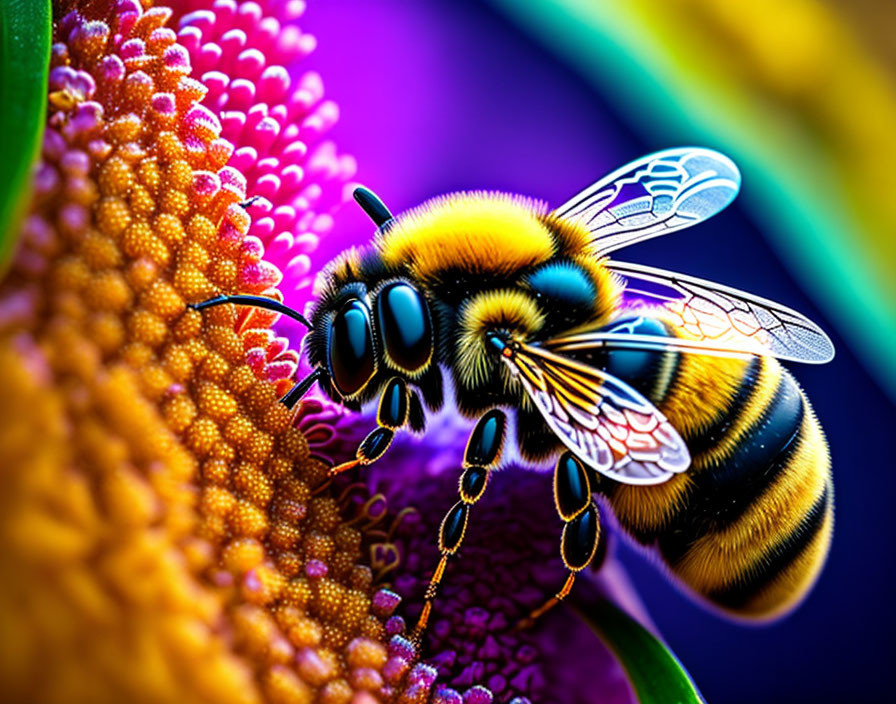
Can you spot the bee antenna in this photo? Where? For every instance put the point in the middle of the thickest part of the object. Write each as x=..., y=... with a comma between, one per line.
x=373, y=206
x=253, y=302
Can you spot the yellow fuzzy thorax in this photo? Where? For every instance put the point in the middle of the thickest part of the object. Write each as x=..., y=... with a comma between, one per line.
x=485, y=233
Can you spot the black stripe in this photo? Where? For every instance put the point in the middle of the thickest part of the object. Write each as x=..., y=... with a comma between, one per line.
x=535, y=439
x=720, y=495
x=776, y=560
x=416, y=415
x=430, y=385
x=712, y=436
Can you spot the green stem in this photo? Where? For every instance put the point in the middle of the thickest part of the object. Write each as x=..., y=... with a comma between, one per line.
x=655, y=674
x=25, y=36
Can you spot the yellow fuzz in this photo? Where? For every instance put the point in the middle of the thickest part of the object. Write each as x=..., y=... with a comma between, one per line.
x=704, y=387
x=485, y=233
x=509, y=309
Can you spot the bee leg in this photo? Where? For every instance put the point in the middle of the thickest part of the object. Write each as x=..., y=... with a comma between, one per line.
x=482, y=453
x=572, y=497
x=391, y=415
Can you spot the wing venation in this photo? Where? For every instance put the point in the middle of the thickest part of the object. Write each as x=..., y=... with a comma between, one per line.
x=714, y=319
x=655, y=195
x=604, y=421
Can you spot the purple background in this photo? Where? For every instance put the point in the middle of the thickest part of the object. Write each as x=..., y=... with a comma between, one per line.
x=441, y=96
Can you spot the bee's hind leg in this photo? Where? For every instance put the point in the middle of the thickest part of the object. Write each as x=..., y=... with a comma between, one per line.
x=391, y=415
x=572, y=496
x=482, y=454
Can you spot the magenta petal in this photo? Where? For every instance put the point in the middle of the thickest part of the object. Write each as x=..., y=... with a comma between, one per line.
x=249, y=56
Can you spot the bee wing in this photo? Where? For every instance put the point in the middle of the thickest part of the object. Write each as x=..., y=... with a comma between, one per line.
x=655, y=195
x=716, y=319
x=603, y=420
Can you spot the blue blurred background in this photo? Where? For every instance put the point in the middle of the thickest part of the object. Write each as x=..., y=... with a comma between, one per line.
x=442, y=96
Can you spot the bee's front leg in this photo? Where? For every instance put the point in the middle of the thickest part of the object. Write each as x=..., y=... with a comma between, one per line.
x=391, y=415
x=482, y=454
x=581, y=530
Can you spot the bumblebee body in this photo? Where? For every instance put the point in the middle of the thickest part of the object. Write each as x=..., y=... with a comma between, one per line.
x=748, y=527
x=660, y=392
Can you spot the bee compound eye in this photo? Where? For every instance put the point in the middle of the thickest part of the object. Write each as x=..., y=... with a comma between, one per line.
x=350, y=348
x=405, y=325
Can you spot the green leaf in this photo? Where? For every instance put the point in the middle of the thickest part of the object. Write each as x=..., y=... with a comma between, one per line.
x=656, y=675
x=25, y=36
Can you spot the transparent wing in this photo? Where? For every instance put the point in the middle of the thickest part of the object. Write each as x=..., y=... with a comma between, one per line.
x=604, y=421
x=715, y=319
x=655, y=195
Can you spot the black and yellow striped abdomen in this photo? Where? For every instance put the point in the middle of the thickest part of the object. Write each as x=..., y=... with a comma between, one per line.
x=749, y=525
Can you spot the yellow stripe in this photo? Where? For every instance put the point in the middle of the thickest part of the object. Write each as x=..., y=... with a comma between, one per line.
x=487, y=233
x=650, y=508
x=792, y=585
x=720, y=558
x=703, y=388
x=763, y=394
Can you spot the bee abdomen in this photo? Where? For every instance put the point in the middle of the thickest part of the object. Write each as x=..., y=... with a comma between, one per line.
x=741, y=454
x=787, y=569
x=753, y=530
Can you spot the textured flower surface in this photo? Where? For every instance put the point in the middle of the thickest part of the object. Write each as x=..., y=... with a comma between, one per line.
x=509, y=565
x=161, y=537
x=166, y=529
x=248, y=55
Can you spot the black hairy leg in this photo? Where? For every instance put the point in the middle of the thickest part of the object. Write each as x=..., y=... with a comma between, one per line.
x=482, y=454
x=581, y=529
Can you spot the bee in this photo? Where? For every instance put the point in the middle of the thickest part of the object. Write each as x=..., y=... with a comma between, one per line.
x=657, y=391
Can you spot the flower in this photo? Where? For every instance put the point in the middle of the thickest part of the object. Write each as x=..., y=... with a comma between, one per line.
x=509, y=564
x=161, y=536
x=249, y=56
